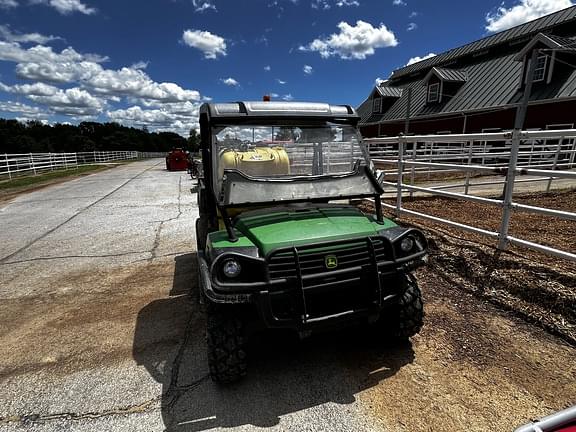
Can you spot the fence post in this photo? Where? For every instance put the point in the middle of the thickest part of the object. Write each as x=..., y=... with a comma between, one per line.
x=431, y=145
x=531, y=152
x=470, y=151
x=413, y=169
x=515, y=146
x=401, y=141
x=555, y=163
x=572, y=153
x=31, y=159
x=8, y=166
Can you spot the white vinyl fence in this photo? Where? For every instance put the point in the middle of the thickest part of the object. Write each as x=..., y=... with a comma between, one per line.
x=14, y=165
x=532, y=156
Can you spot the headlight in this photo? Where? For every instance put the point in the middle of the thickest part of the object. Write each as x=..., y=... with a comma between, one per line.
x=231, y=268
x=407, y=244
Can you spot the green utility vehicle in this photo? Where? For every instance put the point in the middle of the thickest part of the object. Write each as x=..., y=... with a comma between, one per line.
x=280, y=245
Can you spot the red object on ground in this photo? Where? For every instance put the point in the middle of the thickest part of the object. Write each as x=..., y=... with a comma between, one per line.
x=569, y=428
x=177, y=160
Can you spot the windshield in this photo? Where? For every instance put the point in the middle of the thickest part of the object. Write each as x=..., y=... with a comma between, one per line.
x=289, y=152
x=272, y=151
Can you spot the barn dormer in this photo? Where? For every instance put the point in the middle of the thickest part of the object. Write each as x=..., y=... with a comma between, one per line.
x=552, y=53
x=442, y=84
x=383, y=97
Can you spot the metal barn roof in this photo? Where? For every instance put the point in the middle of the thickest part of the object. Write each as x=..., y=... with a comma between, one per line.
x=524, y=30
x=492, y=83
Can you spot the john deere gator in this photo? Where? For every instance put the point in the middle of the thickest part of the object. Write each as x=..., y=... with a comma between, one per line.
x=279, y=244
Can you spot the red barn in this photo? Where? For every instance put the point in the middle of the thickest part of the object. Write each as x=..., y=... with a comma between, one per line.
x=477, y=87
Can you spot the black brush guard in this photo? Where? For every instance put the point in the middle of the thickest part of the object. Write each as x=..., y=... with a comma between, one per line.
x=304, y=293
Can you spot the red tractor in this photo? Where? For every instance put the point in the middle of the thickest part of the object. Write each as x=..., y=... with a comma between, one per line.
x=177, y=160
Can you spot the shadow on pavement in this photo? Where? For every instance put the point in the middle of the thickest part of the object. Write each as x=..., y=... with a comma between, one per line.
x=285, y=376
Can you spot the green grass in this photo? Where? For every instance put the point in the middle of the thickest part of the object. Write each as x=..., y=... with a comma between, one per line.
x=23, y=182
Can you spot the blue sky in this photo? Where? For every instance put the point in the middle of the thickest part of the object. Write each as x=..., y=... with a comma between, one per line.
x=152, y=63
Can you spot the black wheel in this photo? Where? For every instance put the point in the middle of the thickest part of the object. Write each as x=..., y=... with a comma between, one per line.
x=201, y=233
x=405, y=318
x=226, y=344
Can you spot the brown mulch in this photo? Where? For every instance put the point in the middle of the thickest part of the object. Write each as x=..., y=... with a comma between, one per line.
x=537, y=287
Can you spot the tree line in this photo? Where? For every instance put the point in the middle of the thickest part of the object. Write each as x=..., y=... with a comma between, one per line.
x=36, y=137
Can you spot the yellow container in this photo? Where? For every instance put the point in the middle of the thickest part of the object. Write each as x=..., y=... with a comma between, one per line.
x=260, y=162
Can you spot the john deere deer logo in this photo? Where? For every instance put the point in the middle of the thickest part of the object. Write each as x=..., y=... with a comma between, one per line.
x=330, y=261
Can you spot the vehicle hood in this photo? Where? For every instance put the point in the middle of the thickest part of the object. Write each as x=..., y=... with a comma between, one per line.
x=272, y=229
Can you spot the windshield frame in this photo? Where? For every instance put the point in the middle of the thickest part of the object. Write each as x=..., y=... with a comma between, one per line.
x=356, y=145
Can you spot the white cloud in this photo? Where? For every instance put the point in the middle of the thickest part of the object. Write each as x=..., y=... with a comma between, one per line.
x=288, y=97
x=412, y=26
x=70, y=97
x=179, y=118
x=58, y=72
x=140, y=65
x=5, y=4
x=8, y=35
x=524, y=11
x=230, y=82
x=203, y=5
x=267, y=68
x=41, y=63
x=66, y=7
x=72, y=101
x=137, y=115
x=94, y=89
x=417, y=58
x=12, y=51
x=274, y=95
x=320, y=4
x=327, y=4
x=399, y=3
x=307, y=69
x=36, y=89
x=353, y=42
x=20, y=108
x=210, y=44
x=413, y=14
x=136, y=83
x=125, y=82
x=279, y=81
x=32, y=119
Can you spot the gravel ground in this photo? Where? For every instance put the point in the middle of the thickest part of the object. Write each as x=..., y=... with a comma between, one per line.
x=101, y=330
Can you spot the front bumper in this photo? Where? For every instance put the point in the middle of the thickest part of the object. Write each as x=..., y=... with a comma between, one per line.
x=324, y=299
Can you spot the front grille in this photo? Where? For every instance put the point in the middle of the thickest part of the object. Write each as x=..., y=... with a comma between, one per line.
x=312, y=258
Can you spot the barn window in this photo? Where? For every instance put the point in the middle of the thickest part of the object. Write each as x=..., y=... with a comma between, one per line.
x=377, y=105
x=540, y=68
x=433, y=92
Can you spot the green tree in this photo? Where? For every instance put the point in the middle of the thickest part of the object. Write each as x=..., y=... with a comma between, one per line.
x=194, y=141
